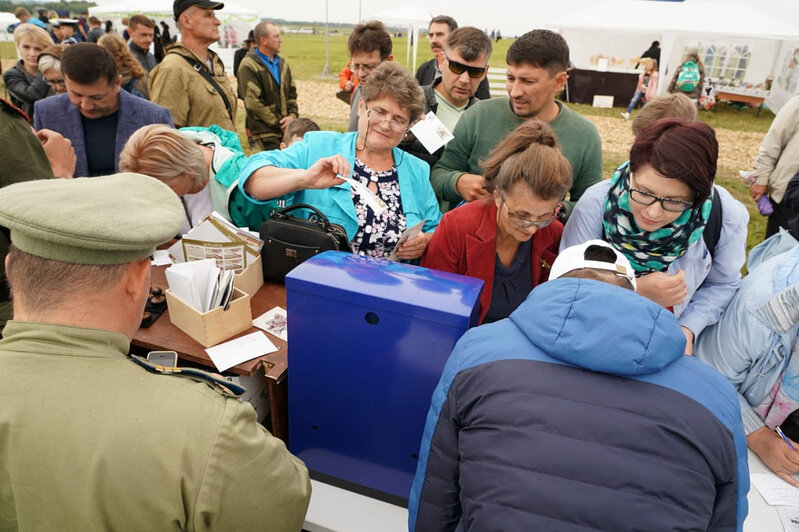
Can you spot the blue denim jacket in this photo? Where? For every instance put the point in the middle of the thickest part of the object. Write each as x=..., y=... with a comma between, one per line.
x=711, y=282
x=753, y=341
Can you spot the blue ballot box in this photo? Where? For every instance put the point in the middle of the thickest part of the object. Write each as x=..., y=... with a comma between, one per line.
x=368, y=339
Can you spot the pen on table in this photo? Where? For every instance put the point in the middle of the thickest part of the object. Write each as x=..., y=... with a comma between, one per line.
x=782, y=435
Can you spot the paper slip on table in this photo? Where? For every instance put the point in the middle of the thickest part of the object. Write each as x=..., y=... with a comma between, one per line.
x=164, y=336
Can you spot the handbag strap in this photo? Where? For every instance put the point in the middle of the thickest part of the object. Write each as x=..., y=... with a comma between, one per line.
x=201, y=71
x=283, y=213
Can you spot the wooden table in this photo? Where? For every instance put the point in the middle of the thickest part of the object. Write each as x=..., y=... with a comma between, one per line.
x=743, y=98
x=162, y=335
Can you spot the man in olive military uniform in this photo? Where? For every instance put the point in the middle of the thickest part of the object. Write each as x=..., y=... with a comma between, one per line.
x=27, y=155
x=91, y=439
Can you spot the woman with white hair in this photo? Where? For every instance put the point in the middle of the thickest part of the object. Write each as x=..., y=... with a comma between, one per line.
x=50, y=67
x=24, y=82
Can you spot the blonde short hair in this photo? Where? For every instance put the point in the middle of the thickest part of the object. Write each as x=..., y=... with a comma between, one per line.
x=671, y=105
x=163, y=153
x=34, y=33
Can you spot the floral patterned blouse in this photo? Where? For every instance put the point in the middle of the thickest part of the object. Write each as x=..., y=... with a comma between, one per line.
x=377, y=235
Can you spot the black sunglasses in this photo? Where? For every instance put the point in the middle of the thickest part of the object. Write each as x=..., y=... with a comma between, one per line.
x=460, y=68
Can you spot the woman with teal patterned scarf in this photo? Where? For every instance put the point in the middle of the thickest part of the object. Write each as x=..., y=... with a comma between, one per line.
x=654, y=210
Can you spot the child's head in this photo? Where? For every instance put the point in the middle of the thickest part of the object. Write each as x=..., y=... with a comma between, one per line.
x=297, y=129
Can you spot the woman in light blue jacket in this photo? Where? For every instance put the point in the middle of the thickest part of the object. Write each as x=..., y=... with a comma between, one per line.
x=386, y=190
x=656, y=208
x=754, y=345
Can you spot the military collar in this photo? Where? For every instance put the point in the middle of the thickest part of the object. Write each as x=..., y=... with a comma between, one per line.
x=51, y=339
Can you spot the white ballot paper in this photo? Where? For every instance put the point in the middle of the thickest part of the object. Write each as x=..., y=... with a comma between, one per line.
x=228, y=354
x=406, y=235
x=274, y=322
x=371, y=199
x=789, y=515
x=194, y=282
x=774, y=490
x=431, y=132
x=161, y=258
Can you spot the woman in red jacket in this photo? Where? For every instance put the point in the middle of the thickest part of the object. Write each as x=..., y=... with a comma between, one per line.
x=509, y=239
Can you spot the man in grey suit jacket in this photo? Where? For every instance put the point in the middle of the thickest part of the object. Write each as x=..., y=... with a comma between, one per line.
x=94, y=113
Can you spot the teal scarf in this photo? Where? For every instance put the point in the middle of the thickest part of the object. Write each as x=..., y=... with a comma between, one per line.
x=649, y=251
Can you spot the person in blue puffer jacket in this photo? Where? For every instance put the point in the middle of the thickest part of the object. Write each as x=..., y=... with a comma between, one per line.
x=580, y=412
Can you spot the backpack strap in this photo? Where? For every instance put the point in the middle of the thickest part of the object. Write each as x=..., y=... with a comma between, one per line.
x=712, y=231
x=430, y=97
x=201, y=71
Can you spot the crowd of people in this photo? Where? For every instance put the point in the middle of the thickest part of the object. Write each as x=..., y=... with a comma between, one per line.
x=576, y=380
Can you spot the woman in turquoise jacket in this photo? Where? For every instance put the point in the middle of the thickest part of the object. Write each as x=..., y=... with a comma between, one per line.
x=359, y=180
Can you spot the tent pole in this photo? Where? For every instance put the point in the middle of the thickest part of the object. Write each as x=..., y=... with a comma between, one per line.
x=326, y=70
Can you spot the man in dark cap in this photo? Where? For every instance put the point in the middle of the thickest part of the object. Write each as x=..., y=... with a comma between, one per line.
x=191, y=80
x=66, y=31
x=101, y=440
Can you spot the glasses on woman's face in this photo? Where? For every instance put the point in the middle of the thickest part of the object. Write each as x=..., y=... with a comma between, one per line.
x=668, y=204
x=523, y=220
x=380, y=116
x=459, y=68
x=55, y=82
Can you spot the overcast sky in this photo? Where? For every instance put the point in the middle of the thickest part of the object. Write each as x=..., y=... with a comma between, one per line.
x=510, y=16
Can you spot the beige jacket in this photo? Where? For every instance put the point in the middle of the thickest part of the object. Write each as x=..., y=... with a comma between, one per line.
x=778, y=158
x=97, y=442
x=191, y=99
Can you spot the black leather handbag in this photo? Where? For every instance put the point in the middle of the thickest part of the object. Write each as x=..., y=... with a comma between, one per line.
x=289, y=240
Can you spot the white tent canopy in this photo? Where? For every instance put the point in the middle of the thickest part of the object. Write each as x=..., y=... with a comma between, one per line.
x=413, y=17
x=159, y=9
x=635, y=23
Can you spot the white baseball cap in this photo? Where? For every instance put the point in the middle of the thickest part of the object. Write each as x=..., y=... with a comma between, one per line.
x=573, y=258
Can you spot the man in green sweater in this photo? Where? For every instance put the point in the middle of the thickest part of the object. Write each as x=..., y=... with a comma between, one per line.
x=537, y=63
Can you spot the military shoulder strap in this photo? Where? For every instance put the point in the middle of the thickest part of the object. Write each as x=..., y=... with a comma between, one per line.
x=218, y=383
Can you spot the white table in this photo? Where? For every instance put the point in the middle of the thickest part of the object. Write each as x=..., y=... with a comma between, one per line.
x=761, y=517
x=334, y=509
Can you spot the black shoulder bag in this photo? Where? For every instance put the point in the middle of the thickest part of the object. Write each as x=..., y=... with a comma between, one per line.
x=201, y=71
x=289, y=240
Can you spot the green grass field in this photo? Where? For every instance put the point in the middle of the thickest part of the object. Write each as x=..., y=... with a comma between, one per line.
x=306, y=54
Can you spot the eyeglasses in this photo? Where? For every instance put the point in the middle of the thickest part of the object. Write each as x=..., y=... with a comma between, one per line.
x=668, y=204
x=381, y=116
x=460, y=68
x=523, y=220
x=357, y=67
x=54, y=82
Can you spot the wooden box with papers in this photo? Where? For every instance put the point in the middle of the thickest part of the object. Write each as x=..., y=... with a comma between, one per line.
x=216, y=325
